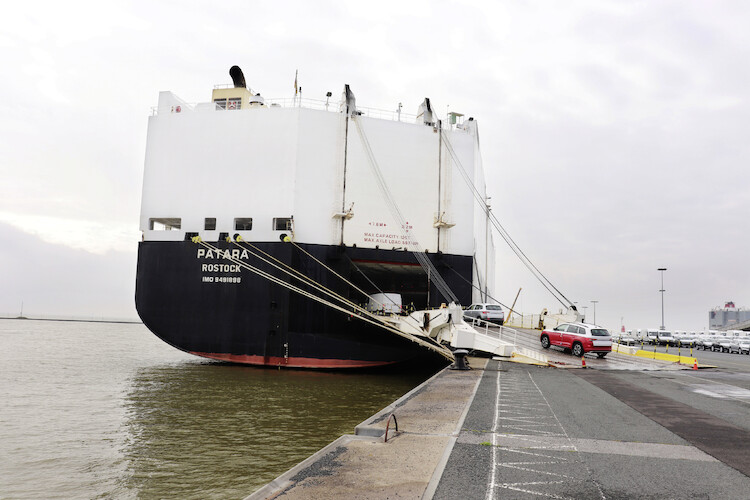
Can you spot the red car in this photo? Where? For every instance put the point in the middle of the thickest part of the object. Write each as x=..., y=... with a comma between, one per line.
x=580, y=338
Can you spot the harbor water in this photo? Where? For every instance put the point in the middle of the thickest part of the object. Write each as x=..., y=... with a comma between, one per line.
x=104, y=410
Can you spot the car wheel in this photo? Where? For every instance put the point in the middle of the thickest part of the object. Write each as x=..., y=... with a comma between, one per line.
x=601, y=355
x=545, y=342
x=578, y=350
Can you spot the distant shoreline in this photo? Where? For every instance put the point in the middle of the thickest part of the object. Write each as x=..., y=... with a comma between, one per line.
x=76, y=320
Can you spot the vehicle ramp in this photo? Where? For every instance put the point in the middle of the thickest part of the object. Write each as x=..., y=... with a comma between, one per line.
x=447, y=326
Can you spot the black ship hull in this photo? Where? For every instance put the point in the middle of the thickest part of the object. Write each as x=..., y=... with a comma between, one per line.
x=204, y=304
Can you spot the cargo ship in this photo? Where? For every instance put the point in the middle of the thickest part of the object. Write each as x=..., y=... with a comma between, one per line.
x=292, y=232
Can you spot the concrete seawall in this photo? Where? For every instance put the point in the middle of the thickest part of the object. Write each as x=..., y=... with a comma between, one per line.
x=407, y=465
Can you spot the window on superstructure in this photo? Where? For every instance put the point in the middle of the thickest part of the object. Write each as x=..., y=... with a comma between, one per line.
x=282, y=223
x=221, y=103
x=234, y=103
x=243, y=223
x=164, y=223
x=209, y=224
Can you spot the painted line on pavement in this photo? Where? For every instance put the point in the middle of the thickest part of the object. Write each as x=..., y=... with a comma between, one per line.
x=516, y=396
x=602, y=446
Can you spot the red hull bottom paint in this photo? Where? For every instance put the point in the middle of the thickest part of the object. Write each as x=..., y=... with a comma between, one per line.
x=291, y=362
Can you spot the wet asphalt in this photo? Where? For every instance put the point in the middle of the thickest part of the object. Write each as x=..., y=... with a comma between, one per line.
x=536, y=432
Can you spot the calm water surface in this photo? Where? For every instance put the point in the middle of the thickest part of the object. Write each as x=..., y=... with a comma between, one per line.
x=95, y=410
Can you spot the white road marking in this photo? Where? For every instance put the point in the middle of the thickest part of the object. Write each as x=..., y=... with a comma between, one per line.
x=722, y=392
x=524, y=419
x=629, y=448
x=716, y=389
x=493, y=470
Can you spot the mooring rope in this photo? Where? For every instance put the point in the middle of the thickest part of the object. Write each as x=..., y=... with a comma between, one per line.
x=546, y=283
x=357, y=313
x=410, y=242
x=300, y=274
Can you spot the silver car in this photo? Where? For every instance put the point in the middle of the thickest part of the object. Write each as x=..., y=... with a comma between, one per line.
x=492, y=313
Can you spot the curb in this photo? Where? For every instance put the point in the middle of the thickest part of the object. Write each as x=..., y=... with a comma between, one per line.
x=437, y=475
x=278, y=485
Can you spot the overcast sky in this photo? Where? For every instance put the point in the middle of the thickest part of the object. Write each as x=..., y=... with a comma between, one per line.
x=614, y=134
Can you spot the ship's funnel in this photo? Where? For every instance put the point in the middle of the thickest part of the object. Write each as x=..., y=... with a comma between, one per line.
x=237, y=77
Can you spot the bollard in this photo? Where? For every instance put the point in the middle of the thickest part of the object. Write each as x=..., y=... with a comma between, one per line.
x=461, y=361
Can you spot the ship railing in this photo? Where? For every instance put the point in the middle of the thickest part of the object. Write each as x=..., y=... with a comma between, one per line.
x=529, y=321
x=328, y=105
x=318, y=104
x=299, y=102
x=383, y=114
x=495, y=330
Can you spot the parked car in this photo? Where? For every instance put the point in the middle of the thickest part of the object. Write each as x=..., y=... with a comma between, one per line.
x=744, y=346
x=626, y=340
x=488, y=312
x=725, y=344
x=580, y=338
x=734, y=346
x=707, y=343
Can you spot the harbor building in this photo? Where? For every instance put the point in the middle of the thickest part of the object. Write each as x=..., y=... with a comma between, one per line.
x=728, y=316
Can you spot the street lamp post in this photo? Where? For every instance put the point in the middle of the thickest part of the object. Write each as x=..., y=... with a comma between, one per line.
x=661, y=270
x=594, y=302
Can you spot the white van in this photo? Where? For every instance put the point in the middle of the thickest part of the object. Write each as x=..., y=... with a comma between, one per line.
x=661, y=337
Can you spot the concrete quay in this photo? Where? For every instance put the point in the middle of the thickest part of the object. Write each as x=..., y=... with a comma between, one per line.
x=508, y=430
